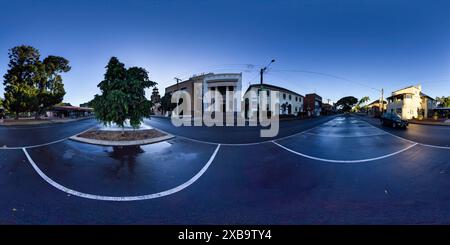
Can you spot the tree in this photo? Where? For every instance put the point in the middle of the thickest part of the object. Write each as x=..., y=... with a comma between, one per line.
x=50, y=86
x=443, y=101
x=87, y=104
x=64, y=104
x=346, y=103
x=2, y=111
x=139, y=107
x=123, y=95
x=20, y=79
x=363, y=101
x=32, y=85
x=166, y=103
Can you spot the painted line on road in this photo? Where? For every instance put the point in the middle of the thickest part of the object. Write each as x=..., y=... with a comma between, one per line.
x=346, y=136
x=410, y=141
x=122, y=198
x=44, y=144
x=344, y=161
x=244, y=144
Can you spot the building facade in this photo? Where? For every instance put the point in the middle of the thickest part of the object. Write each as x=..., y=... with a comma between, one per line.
x=155, y=98
x=313, y=105
x=69, y=112
x=374, y=108
x=411, y=103
x=211, y=82
x=291, y=103
x=327, y=109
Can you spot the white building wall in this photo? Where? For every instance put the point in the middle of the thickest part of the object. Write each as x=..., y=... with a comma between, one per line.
x=296, y=105
x=411, y=104
x=294, y=100
x=231, y=80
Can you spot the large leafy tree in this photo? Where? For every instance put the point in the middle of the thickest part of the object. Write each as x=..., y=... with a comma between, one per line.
x=20, y=79
x=138, y=106
x=346, y=103
x=50, y=86
x=32, y=85
x=123, y=95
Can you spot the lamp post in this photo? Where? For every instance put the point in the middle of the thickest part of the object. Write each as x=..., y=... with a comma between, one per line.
x=261, y=72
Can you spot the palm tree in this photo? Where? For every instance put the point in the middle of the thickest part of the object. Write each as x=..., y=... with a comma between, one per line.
x=364, y=101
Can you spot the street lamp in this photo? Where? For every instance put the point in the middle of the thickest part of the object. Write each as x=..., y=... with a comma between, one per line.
x=261, y=72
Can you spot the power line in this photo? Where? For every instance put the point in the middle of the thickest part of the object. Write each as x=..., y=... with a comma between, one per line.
x=327, y=75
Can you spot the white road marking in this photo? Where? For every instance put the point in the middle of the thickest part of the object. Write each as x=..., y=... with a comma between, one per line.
x=410, y=141
x=344, y=161
x=346, y=136
x=44, y=144
x=243, y=144
x=121, y=198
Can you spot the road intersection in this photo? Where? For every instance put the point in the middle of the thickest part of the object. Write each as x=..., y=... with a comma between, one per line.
x=328, y=170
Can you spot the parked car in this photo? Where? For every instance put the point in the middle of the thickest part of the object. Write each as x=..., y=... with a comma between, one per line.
x=393, y=120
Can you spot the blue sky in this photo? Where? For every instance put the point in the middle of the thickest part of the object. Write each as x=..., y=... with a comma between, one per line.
x=376, y=44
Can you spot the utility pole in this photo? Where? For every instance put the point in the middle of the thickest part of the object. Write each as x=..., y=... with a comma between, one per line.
x=382, y=102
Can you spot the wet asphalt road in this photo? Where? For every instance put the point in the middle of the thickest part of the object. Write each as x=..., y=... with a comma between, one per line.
x=340, y=170
x=426, y=134
x=20, y=136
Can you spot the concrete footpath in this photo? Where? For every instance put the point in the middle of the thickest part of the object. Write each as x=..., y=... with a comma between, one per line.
x=425, y=122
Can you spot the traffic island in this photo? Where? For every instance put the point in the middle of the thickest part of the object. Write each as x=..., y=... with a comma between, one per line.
x=128, y=137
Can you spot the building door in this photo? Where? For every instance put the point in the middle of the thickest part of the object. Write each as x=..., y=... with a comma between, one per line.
x=247, y=107
x=222, y=90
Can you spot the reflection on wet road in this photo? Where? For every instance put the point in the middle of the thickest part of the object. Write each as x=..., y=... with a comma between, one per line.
x=122, y=171
x=345, y=139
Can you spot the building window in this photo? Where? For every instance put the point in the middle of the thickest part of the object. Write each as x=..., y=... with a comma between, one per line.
x=289, y=97
x=284, y=96
x=296, y=98
x=408, y=96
